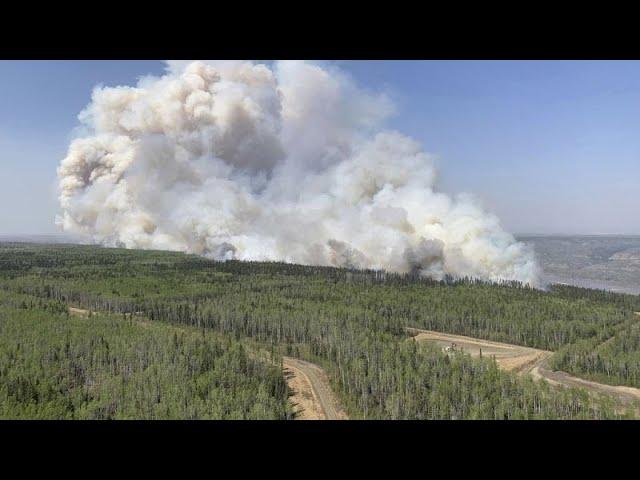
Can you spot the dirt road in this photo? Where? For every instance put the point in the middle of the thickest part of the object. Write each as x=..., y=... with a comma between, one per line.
x=312, y=395
x=508, y=357
x=625, y=395
x=525, y=360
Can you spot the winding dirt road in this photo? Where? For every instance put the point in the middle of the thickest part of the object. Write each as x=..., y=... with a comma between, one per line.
x=525, y=360
x=312, y=395
x=625, y=395
x=508, y=357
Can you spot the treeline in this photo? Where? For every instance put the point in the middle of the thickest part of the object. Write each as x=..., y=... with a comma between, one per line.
x=623, y=300
x=214, y=291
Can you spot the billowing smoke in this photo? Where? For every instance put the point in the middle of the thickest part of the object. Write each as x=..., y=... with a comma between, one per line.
x=285, y=162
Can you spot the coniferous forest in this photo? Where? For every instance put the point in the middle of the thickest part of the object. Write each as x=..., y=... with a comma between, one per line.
x=170, y=335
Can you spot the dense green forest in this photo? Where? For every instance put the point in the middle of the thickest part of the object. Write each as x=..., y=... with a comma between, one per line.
x=615, y=360
x=233, y=320
x=53, y=365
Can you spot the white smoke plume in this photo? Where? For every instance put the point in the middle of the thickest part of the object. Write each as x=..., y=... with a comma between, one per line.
x=283, y=162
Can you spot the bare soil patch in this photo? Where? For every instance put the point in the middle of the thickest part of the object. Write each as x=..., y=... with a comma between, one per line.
x=306, y=405
x=313, y=398
x=508, y=357
x=526, y=360
x=624, y=395
x=79, y=312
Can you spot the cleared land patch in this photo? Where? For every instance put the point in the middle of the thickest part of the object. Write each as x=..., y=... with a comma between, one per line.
x=508, y=357
x=524, y=360
x=625, y=395
x=79, y=312
x=313, y=397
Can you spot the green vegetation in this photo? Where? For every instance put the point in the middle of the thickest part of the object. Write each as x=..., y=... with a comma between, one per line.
x=53, y=365
x=614, y=361
x=235, y=319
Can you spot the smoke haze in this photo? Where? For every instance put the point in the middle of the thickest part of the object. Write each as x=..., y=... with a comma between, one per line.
x=289, y=162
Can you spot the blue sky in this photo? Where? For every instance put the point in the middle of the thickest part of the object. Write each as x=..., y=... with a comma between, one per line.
x=550, y=147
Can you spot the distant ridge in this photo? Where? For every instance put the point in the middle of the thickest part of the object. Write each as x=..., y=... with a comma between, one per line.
x=609, y=262
x=579, y=235
x=45, y=238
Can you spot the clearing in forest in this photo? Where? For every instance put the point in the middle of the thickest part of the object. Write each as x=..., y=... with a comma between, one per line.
x=527, y=360
x=514, y=358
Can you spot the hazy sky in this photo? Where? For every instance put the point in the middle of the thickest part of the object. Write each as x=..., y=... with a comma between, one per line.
x=550, y=147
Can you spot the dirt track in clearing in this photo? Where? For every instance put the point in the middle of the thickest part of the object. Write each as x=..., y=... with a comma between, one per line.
x=514, y=358
x=525, y=360
x=313, y=398
x=625, y=395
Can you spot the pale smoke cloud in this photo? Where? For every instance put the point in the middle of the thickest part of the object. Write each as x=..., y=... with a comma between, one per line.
x=241, y=160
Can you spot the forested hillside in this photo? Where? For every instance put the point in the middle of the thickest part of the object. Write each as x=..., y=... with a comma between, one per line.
x=351, y=322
